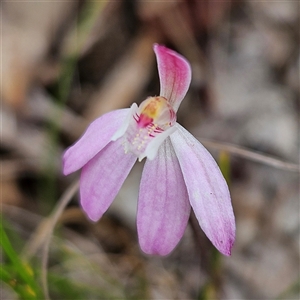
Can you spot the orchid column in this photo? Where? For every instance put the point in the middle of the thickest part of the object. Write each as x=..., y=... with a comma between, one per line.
x=179, y=173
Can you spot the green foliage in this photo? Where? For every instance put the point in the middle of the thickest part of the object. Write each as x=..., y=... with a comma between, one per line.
x=18, y=274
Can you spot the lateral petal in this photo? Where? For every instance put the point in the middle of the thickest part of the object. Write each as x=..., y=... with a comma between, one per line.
x=152, y=148
x=102, y=177
x=96, y=137
x=207, y=189
x=174, y=74
x=163, y=206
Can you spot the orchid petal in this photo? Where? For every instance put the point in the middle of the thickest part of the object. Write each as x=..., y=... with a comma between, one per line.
x=102, y=177
x=96, y=137
x=174, y=74
x=152, y=148
x=207, y=189
x=120, y=132
x=163, y=206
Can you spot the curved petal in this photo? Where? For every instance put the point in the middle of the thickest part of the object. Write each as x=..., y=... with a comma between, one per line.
x=207, y=189
x=121, y=131
x=96, y=137
x=153, y=146
x=102, y=177
x=163, y=206
x=174, y=74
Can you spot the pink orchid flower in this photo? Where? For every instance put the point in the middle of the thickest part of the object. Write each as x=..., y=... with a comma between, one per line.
x=179, y=173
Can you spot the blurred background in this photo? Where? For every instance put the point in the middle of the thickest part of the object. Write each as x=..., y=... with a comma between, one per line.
x=63, y=64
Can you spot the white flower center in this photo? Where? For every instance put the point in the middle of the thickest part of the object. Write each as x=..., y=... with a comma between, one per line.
x=147, y=126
